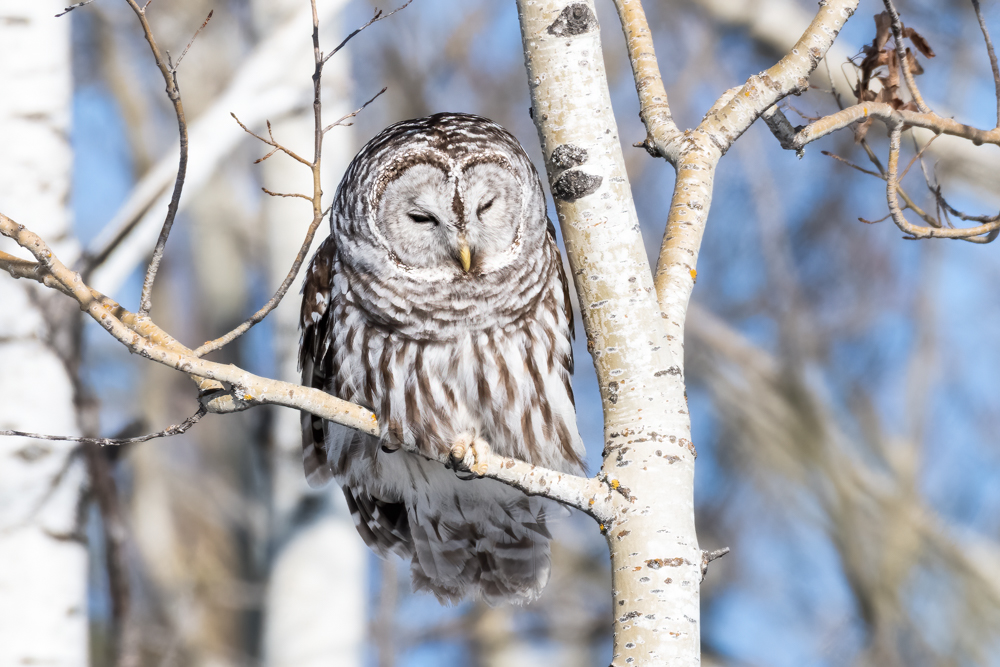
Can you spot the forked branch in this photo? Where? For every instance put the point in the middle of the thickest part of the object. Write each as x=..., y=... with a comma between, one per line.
x=316, y=199
x=169, y=73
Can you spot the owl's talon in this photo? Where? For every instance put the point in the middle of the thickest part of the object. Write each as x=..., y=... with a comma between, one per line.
x=470, y=454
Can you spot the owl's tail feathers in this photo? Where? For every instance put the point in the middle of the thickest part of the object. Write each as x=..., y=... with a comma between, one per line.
x=495, y=546
x=383, y=526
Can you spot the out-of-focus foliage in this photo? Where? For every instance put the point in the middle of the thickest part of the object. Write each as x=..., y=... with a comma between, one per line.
x=842, y=381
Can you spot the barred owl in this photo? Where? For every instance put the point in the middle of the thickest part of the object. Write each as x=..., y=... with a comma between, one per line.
x=439, y=302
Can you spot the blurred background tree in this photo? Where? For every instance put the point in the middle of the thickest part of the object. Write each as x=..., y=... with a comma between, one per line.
x=841, y=381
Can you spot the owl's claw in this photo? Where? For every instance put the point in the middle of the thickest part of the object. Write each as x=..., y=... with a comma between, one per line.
x=469, y=454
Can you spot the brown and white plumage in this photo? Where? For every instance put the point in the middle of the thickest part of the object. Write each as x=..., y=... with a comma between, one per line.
x=439, y=302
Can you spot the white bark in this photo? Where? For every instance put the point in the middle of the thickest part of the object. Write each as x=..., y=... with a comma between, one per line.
x=43, y=612
x=649, y=458
x=316, y=604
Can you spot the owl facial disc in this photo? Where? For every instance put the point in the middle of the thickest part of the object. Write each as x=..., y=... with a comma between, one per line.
x=443, y=218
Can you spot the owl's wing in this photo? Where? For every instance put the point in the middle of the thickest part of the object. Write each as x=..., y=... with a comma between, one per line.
x=565, y=285
x=315, y=356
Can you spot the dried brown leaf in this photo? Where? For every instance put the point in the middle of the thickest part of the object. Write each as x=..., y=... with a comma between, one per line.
x=918, y=41
x=883, y=26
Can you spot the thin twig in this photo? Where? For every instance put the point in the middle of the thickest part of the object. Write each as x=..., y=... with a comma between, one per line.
x=174, y=94
x=833, y=86
x=852, y=165
x=353, y=113
x=316, y=199
x=897, y=36
x=72, y=7
x=176, y=429
x=286, y=194
x=874, y=222
x=993, y=55
x=910, y=204
x=271, y=142
x=378, y=17
x=194, y=37
x=987, y=232
x=916, y=157
x=881, y=174
x=319, y=60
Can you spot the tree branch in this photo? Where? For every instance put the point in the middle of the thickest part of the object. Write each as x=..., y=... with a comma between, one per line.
x=234, y=389
x=176, y=429
x=988, y=230
x=897, y=38
x=885, y=112
x=174, y=94
x=662, y=134
x=676, y=268
x=993, y=56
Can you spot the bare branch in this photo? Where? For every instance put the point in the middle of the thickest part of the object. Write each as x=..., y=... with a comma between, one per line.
x=274, y=300
x=704, y=147
x=897, y=37
x=271, y=142
x=886, y=113
x=173, y=93
x=378, y=17
x=852, y=165
x=72, y=7
x=353, y=113
x=915, y=231
x=23, y=268
x=993, y=56
x=918, y=155
x=240, y=390
x=875, y=222
x=176, y=429
x=654, y=109
x=193, y=37
x=708, y=557
x=287, y=194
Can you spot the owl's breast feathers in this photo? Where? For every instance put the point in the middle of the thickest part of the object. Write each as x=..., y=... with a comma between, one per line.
x=489, y=354
x=494, y=359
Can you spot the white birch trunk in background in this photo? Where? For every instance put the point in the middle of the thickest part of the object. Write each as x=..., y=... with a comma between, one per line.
x=315, y=614
x=648, y=455
x=43, y=561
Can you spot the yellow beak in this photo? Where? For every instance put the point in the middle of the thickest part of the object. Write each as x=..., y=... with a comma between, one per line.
x=464, y=254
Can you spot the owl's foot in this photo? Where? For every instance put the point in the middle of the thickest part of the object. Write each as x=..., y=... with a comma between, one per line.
x=469, y=454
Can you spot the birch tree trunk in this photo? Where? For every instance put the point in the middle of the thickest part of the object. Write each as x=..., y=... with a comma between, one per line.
x=315, y=613
x=648, y=454
x=635, y=328
x=43, y=612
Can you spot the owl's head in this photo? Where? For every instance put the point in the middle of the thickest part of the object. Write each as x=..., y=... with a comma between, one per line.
x=450, y=196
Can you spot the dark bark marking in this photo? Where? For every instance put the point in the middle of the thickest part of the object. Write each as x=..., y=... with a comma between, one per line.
x=567, y=156
x=575, y=184
x=574, y=20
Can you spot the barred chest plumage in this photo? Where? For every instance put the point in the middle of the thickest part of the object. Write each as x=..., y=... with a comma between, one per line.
x=439, y=302
x=500, y=373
